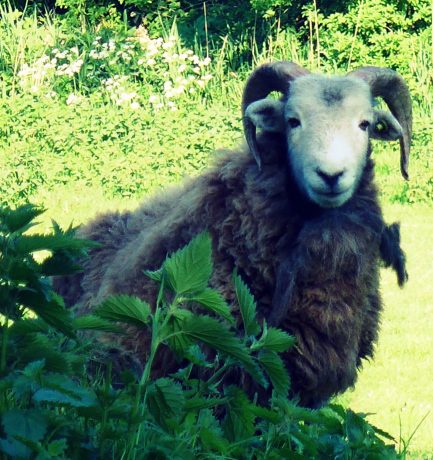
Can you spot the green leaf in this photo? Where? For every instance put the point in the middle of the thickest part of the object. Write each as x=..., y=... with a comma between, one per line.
x=57, y=448
x=19, y=219
x=29, y=326
x=274, y=339
x=165, y=399
x=34, y=369
x=216, y=334
x=61, y=390
x=125, y=309
x=28, y=424
x=239, y=420
x=155, y=275
x=247, y=306
x=213, y=439
x=195, y=355
x=177, y=340
x=32, y=243
x=52, y=311
x=276, y=370
x=356, y=429
x=189, y=269
x=266, y=414
x=213, y=300
x=198, y=403
x=59, y=264
x=14, y=448
x=94, y=322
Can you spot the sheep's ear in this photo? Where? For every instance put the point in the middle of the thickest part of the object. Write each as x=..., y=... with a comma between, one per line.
x=267, y=114
x=385, y=127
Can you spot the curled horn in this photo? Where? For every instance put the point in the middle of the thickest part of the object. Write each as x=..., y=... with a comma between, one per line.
x=390, y=86
x=265, y=79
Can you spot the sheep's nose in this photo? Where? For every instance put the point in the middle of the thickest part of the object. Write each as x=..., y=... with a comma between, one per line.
x=329, y=179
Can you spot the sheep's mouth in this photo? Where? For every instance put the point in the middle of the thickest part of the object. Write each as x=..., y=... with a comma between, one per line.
x=332, y=194
x=331, y=199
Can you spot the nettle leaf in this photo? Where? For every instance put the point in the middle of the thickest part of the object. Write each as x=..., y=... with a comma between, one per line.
x=239, y=421
x=177, y=340
x=37, y=242
x=356, y=428
x=213, y=439
x=214, y=301
x=199, y=403
x=19, y=219
x=61, y=390
x=94, y=322
x=195, y=355
x=126, y=309
x=29, y=326
x=14, y=448
x=274, y=339
x=155, y=275
x=40, y=346
x=165, y=399
x=217, y=335
x=276, y=370
x=189, y=269
x=52, y=310
x=34, y=370
x=57, y=447
x=247, y=306
x=266, y=414
x=27, y=424
x=59, y=264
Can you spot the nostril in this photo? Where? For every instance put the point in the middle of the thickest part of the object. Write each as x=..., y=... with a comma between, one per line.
x=329, y=179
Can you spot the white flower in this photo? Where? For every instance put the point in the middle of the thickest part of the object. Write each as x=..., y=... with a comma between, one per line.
x=181, y=68
x=206, y=61
x=153, y=99
x=151, y=62
x=167, y=45
x=135, y=105
x=73, y=99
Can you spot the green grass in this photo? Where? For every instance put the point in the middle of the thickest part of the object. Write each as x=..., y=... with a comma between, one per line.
x=397, y=386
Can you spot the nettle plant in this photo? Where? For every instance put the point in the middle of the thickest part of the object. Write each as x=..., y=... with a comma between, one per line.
x=50, y=407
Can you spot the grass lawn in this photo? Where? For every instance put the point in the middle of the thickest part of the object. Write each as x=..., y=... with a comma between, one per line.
x=397, y=387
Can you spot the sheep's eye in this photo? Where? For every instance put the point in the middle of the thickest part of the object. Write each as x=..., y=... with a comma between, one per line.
x=364, y=125
x=293, y=122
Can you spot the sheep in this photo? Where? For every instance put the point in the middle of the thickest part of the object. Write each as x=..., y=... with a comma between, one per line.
x=295, y=212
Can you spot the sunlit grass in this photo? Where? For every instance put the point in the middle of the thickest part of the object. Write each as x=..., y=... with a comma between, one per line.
x=397, y=386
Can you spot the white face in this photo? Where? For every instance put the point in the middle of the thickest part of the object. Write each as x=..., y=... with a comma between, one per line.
x=328, y=136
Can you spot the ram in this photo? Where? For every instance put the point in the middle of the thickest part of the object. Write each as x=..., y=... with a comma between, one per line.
x=295, y=212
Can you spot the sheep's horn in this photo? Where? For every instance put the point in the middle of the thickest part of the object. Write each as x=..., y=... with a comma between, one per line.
x=390, y=86
x=265, y=79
